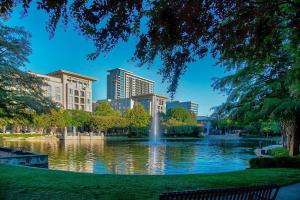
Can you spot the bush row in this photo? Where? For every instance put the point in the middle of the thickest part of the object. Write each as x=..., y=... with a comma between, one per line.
x=276, y=162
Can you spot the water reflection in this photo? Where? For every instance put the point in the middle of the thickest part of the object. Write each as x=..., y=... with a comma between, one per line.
x=142, y=157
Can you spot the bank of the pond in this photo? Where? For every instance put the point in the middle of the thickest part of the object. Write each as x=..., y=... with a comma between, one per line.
x=125, y=138
x=31, y=183
x=29, y=137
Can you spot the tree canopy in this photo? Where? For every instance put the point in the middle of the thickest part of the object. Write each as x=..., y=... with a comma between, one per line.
x=20, y=92
x=182, y=115
x=137, y=117
x=179, y=32
x=104, y=109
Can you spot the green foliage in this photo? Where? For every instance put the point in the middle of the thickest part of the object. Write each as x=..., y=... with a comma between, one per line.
x=277, y=162
x=104, y=123
x=279, y=152
x=270, y=126
x=76, y=118
x=138, y=120
x=181, y=122
x=23, y=135
x=21, y=94
x=104, y=109
x=56, y=119
x=182, y=115
x=137, y=117
x=180, y=32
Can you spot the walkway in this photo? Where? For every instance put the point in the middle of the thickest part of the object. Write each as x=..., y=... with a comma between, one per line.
x=291, y=192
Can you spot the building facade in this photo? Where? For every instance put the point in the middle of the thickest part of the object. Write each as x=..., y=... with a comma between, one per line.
x=117, y=104
x=53, y=89
x=152, y=102
x=188, y=105
x=71, y=90
x=124, y=84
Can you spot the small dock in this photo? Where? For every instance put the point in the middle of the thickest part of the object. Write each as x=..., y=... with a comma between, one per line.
x=20, y=157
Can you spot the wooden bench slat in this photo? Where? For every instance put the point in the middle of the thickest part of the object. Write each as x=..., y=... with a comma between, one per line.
x=265, y=192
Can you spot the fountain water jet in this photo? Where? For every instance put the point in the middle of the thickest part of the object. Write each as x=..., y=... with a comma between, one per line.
x=155, y=131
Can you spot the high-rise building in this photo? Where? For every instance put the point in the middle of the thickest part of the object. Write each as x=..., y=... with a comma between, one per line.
x=71, y=90
x=188, y=105
x=124, y=84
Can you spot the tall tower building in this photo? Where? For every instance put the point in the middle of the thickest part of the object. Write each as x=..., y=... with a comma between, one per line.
x=124, y=84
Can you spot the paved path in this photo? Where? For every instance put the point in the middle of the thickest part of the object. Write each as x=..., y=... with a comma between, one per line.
x=291, y=192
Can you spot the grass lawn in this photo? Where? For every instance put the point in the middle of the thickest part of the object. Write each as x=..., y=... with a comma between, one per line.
x=30, y=183
x=21, y=135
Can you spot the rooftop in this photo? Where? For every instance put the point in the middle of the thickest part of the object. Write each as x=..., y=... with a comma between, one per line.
x=149, y=95
x=131, y=73
x=58, y=72
x=182, y=102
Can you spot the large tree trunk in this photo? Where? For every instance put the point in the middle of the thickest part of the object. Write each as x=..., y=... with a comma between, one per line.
x=295, y=140
x=291, y=129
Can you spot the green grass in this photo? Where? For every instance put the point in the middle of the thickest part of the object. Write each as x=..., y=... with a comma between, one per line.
x=279, y=152
x=30, y=183
x=21, y=135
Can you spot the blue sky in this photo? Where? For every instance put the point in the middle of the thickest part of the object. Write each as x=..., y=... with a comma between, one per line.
x=68, y=50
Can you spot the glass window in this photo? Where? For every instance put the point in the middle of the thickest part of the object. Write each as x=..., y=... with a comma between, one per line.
x=57, y=97
x=70, y=91
x=57, y=89
x=82, y=93
x=48, y=91
x=76, y=100
x=76, y=106
x=76, y=92
x=81, y=100
x=82, y=107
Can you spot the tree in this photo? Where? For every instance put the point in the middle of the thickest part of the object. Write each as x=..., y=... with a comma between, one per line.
x=77, y=118
x=56, y=119
x=182, y=115
x=180, y=121
x=103, y=123
x=257, y=40
x=40, y=122
x=20, y=92
x=138, y=119
x=178, y=31
x=104, y=109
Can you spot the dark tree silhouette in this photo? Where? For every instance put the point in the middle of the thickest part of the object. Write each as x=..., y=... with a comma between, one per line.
x=178, y=31
x=21, y=94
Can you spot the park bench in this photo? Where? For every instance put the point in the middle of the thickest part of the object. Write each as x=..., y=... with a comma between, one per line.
x=265, y=192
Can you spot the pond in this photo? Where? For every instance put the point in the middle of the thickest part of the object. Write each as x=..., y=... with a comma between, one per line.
x=143, y=157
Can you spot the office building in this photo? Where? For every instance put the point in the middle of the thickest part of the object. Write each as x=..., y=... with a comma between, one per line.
x=124, y=84
x=188, y=105
x=71, y=90
x=152, y=102
x=117, y=104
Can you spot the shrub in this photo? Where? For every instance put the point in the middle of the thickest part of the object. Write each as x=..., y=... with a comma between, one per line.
x=279, y=152
x=276, y=162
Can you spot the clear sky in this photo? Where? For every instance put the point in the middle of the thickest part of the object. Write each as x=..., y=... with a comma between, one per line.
x=68, y=50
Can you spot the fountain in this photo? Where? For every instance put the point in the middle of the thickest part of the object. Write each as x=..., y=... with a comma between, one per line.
x=154, y=131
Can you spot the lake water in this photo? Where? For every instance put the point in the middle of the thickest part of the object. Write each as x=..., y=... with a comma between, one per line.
x=142, y=157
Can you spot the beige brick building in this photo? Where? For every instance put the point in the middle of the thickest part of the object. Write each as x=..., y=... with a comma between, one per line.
x=71, y=90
